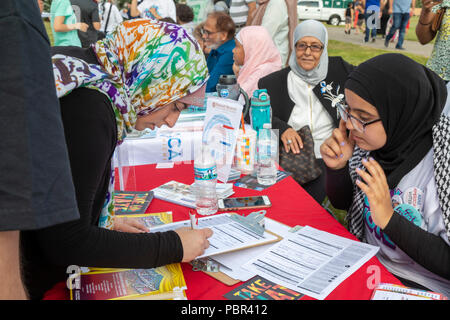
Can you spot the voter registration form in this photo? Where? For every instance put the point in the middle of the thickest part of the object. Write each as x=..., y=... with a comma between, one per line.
x=311, y=261
x=228, y=234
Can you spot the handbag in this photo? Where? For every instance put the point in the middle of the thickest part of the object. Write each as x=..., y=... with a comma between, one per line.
x=303, y=166
x=437, y=20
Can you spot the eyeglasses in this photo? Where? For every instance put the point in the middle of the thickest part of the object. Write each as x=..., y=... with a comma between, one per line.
x=313, y=47
x=358, y=124
x=207, y=33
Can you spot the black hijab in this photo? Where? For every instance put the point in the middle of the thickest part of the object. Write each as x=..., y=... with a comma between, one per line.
x=409, y=98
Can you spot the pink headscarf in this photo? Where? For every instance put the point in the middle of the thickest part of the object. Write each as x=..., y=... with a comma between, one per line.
x=261, y=57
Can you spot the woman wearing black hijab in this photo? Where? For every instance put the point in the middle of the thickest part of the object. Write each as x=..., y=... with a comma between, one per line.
x=388, y=164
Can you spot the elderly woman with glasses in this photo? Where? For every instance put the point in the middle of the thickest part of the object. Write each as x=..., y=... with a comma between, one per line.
x=388, y=166
x=296, y=97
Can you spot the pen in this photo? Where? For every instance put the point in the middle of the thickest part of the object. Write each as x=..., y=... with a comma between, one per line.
x=194, y=221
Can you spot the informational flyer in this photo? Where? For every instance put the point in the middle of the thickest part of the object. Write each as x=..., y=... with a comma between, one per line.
x=311, y=261
x=222, y=121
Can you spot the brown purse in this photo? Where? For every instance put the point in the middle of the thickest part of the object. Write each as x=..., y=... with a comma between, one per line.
x=303, y=166
x=437, y=20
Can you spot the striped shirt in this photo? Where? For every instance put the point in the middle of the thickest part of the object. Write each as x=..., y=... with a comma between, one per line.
x=239, y=11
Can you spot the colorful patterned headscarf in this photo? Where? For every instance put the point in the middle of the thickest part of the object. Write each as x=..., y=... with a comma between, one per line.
x=143, y=66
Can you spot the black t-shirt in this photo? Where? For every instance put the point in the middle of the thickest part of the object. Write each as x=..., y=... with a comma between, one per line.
x=88, y=12
x=36, y=188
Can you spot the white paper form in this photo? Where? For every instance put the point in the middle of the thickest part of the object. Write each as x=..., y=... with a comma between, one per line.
x=231, y=262
x=311, y=261
x=228, y=235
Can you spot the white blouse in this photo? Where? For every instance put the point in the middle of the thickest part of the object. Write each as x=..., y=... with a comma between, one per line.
x=308, y=110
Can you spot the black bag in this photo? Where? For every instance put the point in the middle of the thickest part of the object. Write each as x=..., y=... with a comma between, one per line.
x=102, y=34
x=303, y=166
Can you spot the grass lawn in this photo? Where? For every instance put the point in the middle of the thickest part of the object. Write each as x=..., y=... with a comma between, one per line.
x=356, y=54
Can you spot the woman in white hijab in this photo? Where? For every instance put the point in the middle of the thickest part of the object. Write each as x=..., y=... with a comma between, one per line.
x=297, y=94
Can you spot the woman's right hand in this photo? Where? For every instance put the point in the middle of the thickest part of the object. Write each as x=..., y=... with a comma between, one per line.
x=428, y=4
x=337, y=149
x=194, y=241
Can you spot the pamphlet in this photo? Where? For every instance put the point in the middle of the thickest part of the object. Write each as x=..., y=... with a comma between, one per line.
x=222, y=121
x=151, y=219
x=259, y=288
x=131, y=202
x=387, y=291
x=161, y=283
x=180, y=193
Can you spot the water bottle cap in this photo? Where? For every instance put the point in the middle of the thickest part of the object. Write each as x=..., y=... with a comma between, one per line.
x=227, y=79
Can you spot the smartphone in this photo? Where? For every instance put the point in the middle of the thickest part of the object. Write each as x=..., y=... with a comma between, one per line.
x=244, y=203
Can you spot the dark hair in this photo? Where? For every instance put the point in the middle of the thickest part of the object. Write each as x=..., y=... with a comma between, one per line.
x=167, y=19
x=224, y=23
x=185, y=13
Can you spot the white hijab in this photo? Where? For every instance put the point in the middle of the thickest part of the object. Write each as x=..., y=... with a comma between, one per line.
x=316, y=29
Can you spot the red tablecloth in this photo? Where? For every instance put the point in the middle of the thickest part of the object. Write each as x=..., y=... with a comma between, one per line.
x=291, y=205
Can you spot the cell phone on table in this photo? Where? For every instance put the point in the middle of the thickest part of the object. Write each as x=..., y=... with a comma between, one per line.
x=253, y=202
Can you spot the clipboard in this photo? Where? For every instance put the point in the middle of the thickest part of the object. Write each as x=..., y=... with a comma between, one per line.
x=227, y=280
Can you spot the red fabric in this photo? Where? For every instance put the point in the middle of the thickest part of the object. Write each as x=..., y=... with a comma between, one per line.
x=291, y=205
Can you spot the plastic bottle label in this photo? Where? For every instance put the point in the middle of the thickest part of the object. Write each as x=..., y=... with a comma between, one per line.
x=205, y=173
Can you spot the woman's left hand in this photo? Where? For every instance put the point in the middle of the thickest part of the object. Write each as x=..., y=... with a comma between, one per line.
x=128, y=225
x=376, y=188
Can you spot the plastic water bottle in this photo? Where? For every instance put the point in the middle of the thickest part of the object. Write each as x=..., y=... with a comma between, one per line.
x=260, y=110
x=205, y=172
x=267, y=156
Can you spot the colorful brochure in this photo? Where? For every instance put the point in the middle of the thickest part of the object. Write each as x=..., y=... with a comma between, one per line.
x=131, y=202
x=258, y=288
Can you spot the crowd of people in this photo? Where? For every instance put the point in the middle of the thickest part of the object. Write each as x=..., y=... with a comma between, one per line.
x=381, y=130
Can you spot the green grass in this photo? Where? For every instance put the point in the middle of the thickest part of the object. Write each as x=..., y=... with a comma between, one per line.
x=356, y=54
x=351, y=53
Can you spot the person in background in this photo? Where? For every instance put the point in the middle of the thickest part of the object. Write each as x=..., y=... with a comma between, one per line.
x=36, y=188
x=105, y=91
x=439, y=60
x=349, y=14
x=241, y=11
x=218, y=36
x=109, y=13
x=153, y=9
x=393, y=179
x=255, y=56
x=185, y=17
x=279, y=17
x=87, y=12
x=372, y=14
x=401, y=11
x=296, y=97
x=64, y=24
x=359, y=15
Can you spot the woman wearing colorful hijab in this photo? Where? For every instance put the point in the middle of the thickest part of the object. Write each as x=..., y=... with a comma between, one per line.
x=388, y=165
x=255, y=56
x=140, y=76
x=296, y=94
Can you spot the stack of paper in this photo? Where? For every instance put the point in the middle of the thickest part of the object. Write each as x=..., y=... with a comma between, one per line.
x=182, y=194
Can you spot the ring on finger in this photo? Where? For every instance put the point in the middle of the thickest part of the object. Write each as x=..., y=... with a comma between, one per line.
x=289, y=141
